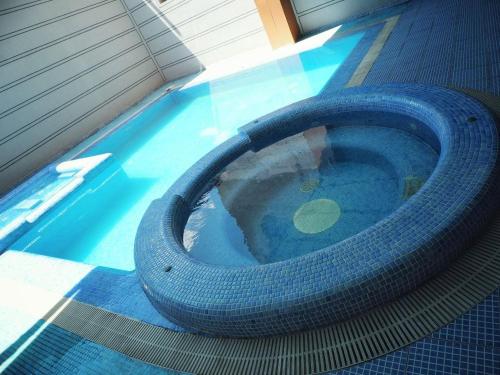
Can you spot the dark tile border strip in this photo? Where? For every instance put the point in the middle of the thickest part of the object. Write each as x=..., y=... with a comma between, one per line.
x=373, y=30
x=489, y=100
x=369, y=59
x=440, y=230
x=383, y=330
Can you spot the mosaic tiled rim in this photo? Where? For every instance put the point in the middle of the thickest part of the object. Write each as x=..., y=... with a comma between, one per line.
x=387, y=260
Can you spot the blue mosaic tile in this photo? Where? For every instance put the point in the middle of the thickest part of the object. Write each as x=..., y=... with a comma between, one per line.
x=459, y=37
x=453, y=35
x=476, y=78
x=349, y=277
x=495, y=71
x=436, y=357
x=121, y=293
x=347, y=69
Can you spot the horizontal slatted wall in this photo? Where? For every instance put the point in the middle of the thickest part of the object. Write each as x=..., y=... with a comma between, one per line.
x=314, y=15
x=66, y=68
x=187, y=35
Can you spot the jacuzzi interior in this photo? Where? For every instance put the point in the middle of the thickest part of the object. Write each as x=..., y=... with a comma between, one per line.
x=311, y=190
x=343, y=207
x=268, y=186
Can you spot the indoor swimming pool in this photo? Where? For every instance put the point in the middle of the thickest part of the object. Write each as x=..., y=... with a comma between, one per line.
x=96, y=224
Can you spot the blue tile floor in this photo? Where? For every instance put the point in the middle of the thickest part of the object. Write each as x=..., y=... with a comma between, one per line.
x=469, y=345
x=447, y=42
x=454, y=43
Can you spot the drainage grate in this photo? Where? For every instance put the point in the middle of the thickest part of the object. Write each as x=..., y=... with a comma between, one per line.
x=383, y=330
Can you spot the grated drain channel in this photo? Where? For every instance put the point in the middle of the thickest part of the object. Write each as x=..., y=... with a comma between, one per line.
x=438, y=302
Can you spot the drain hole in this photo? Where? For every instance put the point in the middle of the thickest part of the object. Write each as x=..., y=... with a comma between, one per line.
x=471, y=119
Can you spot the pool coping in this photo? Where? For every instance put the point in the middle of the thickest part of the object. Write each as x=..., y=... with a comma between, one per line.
x=340, y=78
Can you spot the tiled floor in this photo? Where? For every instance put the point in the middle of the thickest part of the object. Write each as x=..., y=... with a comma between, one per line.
x=453, y=43
x=449, y=43
x=56, y=351
x=446, y=42
x=469, y=345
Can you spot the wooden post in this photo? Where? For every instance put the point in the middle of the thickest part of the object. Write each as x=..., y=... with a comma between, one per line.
x=279, y=21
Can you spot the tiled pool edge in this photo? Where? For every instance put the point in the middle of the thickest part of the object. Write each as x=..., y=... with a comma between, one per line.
x=384, y=364
x=322, y=294
x=122, y=119
x=366, y=64
x=82, y=169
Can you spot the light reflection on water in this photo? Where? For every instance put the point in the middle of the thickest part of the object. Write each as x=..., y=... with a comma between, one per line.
x=354, y=177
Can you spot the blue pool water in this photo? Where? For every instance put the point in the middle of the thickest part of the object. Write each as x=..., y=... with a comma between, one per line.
x=307, y=192
x=97, y=223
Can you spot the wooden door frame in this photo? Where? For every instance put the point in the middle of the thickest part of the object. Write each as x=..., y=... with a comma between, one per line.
x=279, y=21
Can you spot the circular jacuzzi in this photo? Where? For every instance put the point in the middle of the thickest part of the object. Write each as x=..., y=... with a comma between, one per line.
x=321, y=211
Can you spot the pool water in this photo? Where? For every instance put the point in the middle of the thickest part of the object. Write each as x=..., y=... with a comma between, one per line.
x=307, y=192
x=97, y=223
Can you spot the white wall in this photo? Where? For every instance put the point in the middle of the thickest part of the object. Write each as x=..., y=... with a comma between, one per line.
x=313, y=15
x=187, y=35
x=68, y=67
